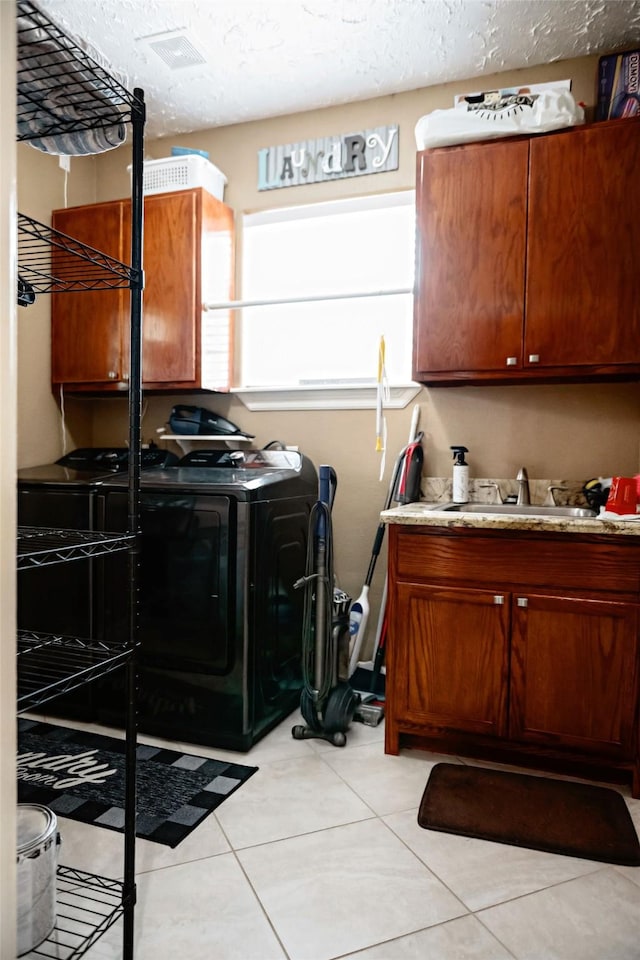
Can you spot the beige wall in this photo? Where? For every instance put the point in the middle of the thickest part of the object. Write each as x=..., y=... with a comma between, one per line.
x=564, y=432
x=43, y=187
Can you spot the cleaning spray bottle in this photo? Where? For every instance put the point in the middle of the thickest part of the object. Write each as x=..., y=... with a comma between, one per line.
x=460, y=475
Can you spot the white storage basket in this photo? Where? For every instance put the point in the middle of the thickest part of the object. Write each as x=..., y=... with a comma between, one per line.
x=182, y=173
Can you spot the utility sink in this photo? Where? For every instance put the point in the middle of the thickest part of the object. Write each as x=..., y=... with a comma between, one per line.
x=521, y=510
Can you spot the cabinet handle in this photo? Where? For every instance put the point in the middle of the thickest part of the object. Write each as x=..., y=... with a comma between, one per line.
x=523, y=602
x=498, y=599
x=534, y=358
x=512, y=361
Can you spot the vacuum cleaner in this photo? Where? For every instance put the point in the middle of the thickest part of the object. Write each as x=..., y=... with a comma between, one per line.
x=327, y=704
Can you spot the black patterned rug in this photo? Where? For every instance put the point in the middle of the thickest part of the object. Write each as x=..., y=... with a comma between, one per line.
x=80, y=775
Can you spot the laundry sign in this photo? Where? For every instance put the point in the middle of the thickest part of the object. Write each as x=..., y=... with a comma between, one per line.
x=328, y=158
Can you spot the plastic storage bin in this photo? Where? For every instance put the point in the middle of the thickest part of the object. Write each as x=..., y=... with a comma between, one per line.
x=182, y=173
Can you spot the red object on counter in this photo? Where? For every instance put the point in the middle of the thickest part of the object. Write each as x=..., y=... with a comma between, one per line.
x=623, y=495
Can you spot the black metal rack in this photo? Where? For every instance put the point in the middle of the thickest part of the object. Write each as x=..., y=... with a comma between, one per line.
x=50, y=665
x=40, y=546
x=52, y=262
x=62, y=91
x=61, y=88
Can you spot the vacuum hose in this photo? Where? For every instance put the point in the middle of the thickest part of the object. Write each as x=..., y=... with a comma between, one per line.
x=326, y=704
x=318, y=653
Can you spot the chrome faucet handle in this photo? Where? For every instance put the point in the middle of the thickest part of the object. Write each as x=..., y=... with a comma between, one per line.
x=496, y=487
x=550, y=500
x=522, y=479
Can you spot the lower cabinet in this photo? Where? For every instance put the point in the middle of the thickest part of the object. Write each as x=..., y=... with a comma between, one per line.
x=573, y=665
x=453, y=661
x=518, y=668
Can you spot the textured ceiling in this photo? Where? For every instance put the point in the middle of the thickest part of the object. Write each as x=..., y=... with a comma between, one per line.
x=269, y=57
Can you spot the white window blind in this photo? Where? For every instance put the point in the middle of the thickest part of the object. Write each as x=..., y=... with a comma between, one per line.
x=348, y=266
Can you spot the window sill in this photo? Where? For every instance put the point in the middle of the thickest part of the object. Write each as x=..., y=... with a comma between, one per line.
x=330, y=397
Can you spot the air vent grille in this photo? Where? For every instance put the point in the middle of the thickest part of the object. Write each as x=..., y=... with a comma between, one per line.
x=177, y=51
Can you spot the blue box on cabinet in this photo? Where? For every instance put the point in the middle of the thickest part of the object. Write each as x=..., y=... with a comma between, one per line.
x=618, y=85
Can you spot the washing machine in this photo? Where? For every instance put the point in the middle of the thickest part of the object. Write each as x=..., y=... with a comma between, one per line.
x=60, y=598
x=223, y=543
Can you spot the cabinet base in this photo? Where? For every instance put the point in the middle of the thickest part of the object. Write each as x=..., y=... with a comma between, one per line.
x=520, y=755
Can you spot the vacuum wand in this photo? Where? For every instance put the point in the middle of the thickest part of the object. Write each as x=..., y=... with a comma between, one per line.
x=320, y=615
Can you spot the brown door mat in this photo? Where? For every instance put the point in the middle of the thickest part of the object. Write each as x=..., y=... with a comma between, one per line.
x=558, y=816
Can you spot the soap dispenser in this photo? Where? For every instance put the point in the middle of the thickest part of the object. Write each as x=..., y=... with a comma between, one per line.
x=460, y=475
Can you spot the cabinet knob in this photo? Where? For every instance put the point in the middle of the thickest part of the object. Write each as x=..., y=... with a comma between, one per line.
x=512, y=361
x=498, y=599
x=522, y=602
x=534, y=358
x=112, y=375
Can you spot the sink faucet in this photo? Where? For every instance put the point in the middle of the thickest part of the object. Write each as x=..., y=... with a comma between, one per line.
x=523, y=486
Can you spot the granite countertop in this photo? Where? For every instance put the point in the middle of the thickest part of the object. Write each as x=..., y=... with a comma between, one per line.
x=436, y=493
x=428, y=514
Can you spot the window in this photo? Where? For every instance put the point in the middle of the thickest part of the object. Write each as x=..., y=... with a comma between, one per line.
x=348, y=266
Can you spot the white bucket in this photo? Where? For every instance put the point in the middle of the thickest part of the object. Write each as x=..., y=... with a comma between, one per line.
x=37, y=864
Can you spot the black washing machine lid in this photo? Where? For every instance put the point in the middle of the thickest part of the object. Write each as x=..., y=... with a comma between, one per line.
x=261, y=475
x=90, y=465
x=54, y=475
x=115, y=459
x=96, y=458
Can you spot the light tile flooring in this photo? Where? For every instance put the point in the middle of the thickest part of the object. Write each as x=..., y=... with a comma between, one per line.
x=319, y=856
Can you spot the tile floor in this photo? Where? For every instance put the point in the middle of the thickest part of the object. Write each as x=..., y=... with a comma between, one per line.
x=319, y=856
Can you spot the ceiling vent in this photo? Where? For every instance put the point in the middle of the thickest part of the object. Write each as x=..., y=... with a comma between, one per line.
x=175, y=48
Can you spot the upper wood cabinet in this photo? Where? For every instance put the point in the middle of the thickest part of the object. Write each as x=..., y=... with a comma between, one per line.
x=89, y=331
x=525, y=264
x=188, y=262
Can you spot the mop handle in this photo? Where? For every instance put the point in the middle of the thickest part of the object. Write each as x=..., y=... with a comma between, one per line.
x=415, y=419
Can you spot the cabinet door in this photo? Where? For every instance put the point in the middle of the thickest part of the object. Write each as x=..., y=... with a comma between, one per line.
x=471, y=231
x=87, y=329
x=583, y=303
x=573, y=673
x=172, y=272
x=450, y=662
x=217, y=286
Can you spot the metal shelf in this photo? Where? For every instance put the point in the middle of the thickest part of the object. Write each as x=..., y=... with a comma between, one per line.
x=50, y=665
x=40, y=546
x=87, y=905
x=49, y=61
x=62, y=92
x=51, y=262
